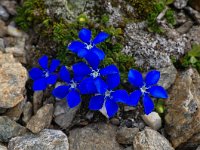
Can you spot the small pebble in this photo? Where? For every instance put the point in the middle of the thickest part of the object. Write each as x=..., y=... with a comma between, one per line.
x=3, y=13
x=115, y=121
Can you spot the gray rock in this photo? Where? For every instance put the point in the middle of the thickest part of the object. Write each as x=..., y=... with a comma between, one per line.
x=153, y=120
x=13, y=31
x=180, y=4
x=185, y=27
x=9, y=129
x=37, y=100
x=68, y=9
x=183, y=113
x=129, y=148
x=151, y=50
x=193, y=36
x=13, y=77
x=193, y=13
x=3, y=13
x=63, y=114
x=167, y=76
x=10, y=5
x=125, y=135
x=94, y=137
x=42, y=119
x=27, y=112
x=2, y=147
x=46, y=140
x=198, y=148
x=3, y=28
x=2, y=45
x=15, y=112
x=149, y=139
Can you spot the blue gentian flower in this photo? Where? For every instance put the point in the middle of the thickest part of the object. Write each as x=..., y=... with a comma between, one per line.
x=44, y=76
x=92, y=76
x=70, y=90
x=108, y=98
x=88, y=45
x=146, y=87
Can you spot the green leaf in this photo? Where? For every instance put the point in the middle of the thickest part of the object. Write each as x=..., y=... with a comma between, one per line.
x=195, y=52
x=193, y=60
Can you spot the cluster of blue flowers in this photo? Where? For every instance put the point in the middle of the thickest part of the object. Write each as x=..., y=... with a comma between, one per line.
x=101, y=83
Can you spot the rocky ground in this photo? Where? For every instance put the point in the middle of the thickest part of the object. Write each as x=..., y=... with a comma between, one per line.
x=36, y=121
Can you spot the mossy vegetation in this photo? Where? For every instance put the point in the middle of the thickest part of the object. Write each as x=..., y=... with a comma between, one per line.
x=191, y=59
x=62, y=33
x=150, y=9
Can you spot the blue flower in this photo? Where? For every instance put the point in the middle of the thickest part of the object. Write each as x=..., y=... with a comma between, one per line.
x=70, y=90
x=45, y=76
x=92, y=76
x=108, y=98
x=146, y=87
x=88, y=45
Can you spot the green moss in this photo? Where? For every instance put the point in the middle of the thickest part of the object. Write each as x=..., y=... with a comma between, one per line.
x=191, y=59
x=32, y=12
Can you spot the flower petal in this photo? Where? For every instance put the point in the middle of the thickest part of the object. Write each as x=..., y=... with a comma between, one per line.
x=73, y=98
x=61, y=91
x=85, y=35
x=43, y=61
x=54, y=64
x=98, y=52
x=120, y=96
x=96, y=102
x=102, y=36
x=135, y=78
x=39, y=84
x=87, y=86
x=35, y=73
x=93, y=60
x=134, y=98
x=111, y=69
x=101, y=86
x=113, y=81
x=82, y=52
x=81, y=69
x=64, y=74
x=152, y=77
x=158, y=92
x=111, y=107
x=51, y=79
x=75, y=46
x=148, y=104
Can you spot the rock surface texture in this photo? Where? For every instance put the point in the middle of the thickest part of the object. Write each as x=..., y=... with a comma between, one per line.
x=150, y=140
x=94, y=137
x=183, y=108
x=45, y=140
x=13, y=77
x=9, y=129
x=42, y=119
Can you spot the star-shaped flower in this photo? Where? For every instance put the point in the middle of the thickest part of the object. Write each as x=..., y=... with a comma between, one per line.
x=146, y=87
x=88, y=45
x=107, y=100
x=92, y=76
x=70, y=90
x=44, y=76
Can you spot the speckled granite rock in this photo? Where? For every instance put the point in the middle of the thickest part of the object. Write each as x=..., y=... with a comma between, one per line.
x=45, y=140
x=42, y=119
x=63, y=115
x=94, y=137
x=183, y=108
x=9, y=129
x=149, y=139
x=179, y=4
x=13, y=77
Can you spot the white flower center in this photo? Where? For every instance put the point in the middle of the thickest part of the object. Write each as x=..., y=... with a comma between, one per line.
x=95, y=73
x=46, y=73
x=89, y=46
x=144, y=89
x=73, y=84
x=108, y=93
